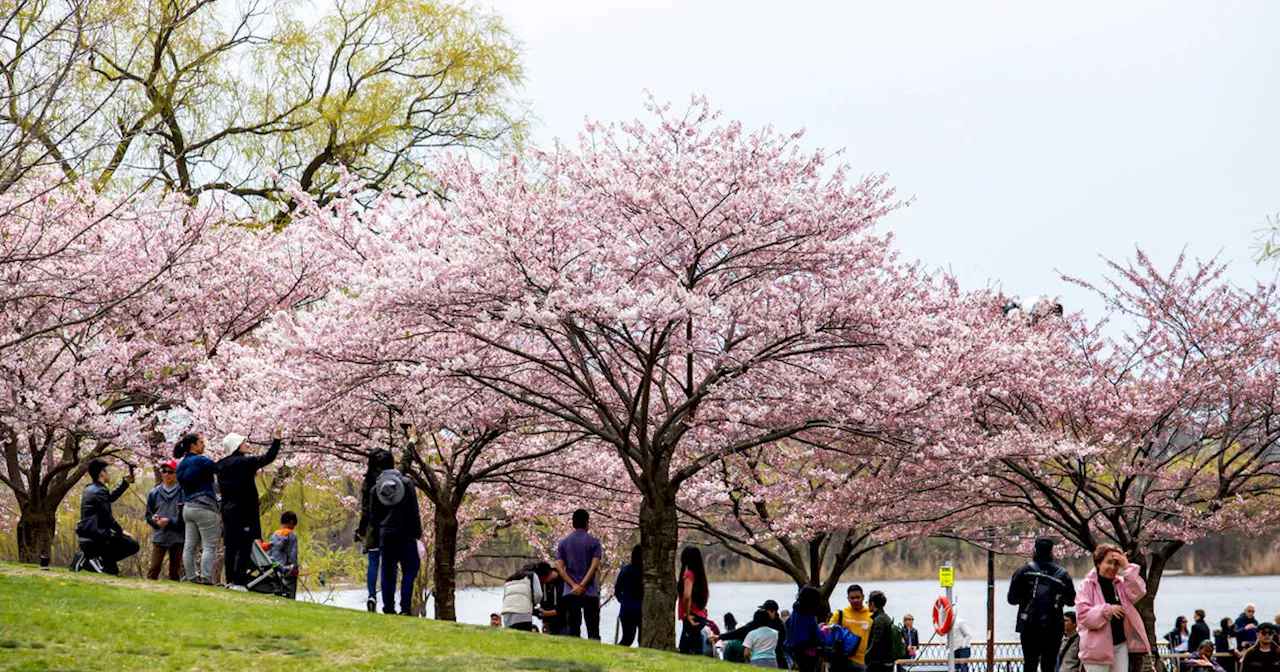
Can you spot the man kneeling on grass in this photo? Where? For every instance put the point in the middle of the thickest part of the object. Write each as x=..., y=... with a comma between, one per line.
x=103, y=543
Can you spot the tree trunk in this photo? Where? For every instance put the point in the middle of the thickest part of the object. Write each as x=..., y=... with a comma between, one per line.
x=659, y=539
x=37, y=523
x=1153, y=565
x=444, y=564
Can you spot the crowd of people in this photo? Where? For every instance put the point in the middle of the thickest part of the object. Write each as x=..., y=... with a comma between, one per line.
x=1105, y=633
x=197, y=503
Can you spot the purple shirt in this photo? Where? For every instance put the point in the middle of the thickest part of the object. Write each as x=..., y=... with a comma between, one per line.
x=577, y=550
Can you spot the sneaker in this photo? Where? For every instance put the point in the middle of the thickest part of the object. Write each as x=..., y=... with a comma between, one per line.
x=77, y=562
x=96, y=565
x=371, y=604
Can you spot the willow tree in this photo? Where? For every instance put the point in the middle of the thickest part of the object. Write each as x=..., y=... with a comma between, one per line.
x=197, y=96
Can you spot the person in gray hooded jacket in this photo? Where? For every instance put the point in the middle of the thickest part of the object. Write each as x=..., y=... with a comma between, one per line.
x=395, y=508
x=164, y=515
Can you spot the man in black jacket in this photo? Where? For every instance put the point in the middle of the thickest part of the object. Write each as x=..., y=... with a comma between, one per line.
x=880, y=640
x=1199, y=632
x=103, y=543
x=241, y=520
x=395, y=508
x=775, y=622
x=1040, y=588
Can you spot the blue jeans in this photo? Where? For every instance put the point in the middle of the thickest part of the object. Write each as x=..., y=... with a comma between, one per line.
x=401, y=555
x=371, y=578
x=963, y=653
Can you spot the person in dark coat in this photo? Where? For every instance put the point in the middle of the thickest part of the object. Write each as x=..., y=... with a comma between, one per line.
x=367, y=528
x=629, y=590
x=1200, y=632
x=103, y=543
x=1041, y=588
x=880, y=642
x=241, y=520
x=395, y=507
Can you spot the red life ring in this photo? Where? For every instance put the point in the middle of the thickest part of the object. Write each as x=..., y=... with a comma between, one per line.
x=943, y=616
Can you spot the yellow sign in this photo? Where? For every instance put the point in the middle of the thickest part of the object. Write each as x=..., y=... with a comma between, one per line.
x=947, y=577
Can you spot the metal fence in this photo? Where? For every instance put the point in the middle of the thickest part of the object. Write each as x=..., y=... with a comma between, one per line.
x=1008, y=657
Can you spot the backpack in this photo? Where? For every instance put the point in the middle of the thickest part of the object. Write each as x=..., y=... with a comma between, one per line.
x=1045, y=605
x=899, y=642
x=838, y=644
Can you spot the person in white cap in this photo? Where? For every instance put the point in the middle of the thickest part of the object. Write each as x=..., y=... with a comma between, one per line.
x=241, y=521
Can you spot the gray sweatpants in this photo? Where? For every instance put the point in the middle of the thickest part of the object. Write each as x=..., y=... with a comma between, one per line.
x=202, y=530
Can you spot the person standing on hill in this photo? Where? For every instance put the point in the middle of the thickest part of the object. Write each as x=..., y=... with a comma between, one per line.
x=395, y=508
x=241, y=519
x=578, y=558
x=691, y=603
x=103, y=543
x=164, y=515
x=1040, y=589
x=1200, y=632
x=629, y=590
x=367, y=528
x=199, y=507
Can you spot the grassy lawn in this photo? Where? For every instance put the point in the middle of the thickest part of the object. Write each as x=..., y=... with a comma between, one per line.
x=56, y=620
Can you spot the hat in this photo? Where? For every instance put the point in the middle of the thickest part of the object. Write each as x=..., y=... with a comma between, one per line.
x=232, y=442
x=769, y=605
x=1269, y=627
x=171, y=465
x=389, y=488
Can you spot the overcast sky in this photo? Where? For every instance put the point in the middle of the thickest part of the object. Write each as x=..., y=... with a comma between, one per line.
x=1033, y=140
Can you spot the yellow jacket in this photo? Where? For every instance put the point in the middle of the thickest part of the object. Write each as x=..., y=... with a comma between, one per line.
x=859, y=623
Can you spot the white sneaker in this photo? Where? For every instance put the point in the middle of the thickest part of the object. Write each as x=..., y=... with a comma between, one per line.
x=96, y=565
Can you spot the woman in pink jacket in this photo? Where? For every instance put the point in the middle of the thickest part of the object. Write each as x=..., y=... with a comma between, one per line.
x=1110, y=628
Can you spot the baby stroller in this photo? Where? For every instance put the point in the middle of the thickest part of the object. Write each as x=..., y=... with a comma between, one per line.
x=266, y=575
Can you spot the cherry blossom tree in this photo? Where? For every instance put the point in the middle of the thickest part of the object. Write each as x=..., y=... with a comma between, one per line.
x=109, y=302
x=1163, y=426
x=682, y=293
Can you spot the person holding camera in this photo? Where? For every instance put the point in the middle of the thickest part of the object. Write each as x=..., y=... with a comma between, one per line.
x=103, y=543
x=241, y=519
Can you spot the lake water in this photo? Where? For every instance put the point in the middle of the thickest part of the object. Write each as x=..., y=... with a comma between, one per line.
x=1219, y=596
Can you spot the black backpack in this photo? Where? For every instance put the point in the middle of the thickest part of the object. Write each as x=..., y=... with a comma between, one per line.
x=1047, y=590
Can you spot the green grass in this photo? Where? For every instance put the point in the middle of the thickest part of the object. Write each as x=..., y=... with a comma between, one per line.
x=56, y=620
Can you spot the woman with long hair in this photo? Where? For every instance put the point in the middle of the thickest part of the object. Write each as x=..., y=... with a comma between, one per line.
x=1177, y=637
x=804, y=629
x=1224, y=642
x=1111, y=630
x=367, y=529
x=693, y=601
x=630, y=591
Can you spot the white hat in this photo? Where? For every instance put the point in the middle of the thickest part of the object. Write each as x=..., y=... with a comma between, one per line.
x=231, y=442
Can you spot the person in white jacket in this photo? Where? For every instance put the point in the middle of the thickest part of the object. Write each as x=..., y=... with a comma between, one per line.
x=521, y=595
x=962, y=640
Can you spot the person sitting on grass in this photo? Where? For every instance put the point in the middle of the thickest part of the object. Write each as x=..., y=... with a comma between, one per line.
x=103, y=543
x=283, y=548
